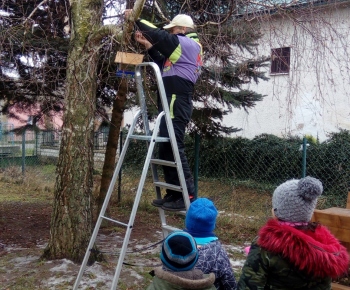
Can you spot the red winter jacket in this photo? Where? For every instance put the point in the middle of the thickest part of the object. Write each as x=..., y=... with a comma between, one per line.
x=284, y=257
x=318, y=253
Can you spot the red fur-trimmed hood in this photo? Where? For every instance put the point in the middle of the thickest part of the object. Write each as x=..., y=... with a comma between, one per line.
x=317, y=253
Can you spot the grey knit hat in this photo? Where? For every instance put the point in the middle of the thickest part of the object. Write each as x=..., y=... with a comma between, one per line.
x=295, y=200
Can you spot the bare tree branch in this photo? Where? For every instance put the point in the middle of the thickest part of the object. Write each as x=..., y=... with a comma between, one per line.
x=34, y=10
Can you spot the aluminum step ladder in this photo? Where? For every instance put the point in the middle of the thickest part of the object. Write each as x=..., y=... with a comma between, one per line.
x=152, y=139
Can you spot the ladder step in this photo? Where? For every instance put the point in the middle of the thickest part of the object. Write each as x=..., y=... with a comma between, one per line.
x=180, y=212
x=114, y=221
x=169, y=228
x=163, y=162
x=148, y=138
x=168, y=186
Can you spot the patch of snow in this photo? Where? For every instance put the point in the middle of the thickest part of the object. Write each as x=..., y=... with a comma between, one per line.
x=41, y=246
x=56, y=281
x=11, y=73
x=135, y=274
x=233, y=248
x=4, y=13
x=55, y=274
x=21, y=261
x=62, y=267
x=94, y=276
x=237, y=215
x=237, y=263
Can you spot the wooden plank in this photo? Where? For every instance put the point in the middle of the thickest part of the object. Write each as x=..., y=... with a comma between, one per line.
x=336, y=286
x=337, y=220
x=128, y=58
x=348, y=202
x=346, y=245
x=337, y=211
x=333, y=217
x=342, y=235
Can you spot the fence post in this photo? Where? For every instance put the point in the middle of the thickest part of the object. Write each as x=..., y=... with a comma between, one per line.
x=36, y=143
x=196, y=163
x=24, y=151
x=120, y=171
x=304, y=158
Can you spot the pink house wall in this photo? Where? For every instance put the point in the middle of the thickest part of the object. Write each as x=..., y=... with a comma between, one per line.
x=53, y=120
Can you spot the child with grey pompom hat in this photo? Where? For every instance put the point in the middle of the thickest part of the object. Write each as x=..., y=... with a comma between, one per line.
x=295, y=200
x=291, y=252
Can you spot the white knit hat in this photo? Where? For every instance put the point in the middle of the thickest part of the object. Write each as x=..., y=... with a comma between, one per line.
x=295, y=200
x=181, y=20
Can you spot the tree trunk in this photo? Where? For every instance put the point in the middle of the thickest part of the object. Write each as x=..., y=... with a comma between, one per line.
x=117, y=117
x=112, y=143
x=71, y=221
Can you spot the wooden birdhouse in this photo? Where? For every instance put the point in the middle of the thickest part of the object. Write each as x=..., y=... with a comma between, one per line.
x=127, y=62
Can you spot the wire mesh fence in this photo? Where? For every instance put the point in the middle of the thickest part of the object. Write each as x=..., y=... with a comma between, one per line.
x=33, y=147
x=258, y=164
x=267, y=161
x=17, y=148
x=264, y=162
x=240, y=174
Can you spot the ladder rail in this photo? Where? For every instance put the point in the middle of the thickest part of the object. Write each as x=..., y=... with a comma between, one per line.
x=136, y=203
x=170, y=127
x=142, y=99
x=167, y=117
x=143, y=108
x=106, y=201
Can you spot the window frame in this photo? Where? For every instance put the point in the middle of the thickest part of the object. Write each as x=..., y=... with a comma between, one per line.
x=280, y=61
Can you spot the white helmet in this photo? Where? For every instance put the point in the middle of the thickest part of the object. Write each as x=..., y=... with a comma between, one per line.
x=181, y=20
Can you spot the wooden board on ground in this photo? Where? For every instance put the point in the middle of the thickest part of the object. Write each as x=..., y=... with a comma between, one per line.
x=337, y=220
x=339, y=287
x=348, y=202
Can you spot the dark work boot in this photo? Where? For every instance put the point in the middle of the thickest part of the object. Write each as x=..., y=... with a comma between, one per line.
x=176, y=205
x=167, y=198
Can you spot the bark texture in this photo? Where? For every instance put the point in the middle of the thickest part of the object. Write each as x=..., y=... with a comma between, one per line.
x=112, y=142
x=117, y=115
x=71, y=221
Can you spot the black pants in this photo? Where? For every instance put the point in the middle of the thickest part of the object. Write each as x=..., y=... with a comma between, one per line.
x=180, y=107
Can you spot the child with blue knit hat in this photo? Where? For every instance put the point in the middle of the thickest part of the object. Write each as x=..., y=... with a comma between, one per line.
x=212, y=258
x=179, y=255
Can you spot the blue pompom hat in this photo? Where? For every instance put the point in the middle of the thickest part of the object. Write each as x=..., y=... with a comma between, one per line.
x=201, y=218
x=179, y=252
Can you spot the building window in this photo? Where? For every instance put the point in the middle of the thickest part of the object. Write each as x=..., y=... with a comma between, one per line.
x=280, y=60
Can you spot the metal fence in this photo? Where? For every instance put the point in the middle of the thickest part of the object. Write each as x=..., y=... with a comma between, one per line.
x=20, y=148
x=260, y=163
x=32, y=147
x=267, y=161
x=264, y=162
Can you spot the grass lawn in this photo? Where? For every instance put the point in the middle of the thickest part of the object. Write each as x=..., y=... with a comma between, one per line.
x=27, y=201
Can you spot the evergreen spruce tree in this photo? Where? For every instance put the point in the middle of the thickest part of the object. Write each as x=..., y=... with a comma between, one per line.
x=69, y=64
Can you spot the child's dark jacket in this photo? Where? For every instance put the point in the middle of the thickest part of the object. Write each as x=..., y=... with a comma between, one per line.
x=283, y=257
x=214, y=259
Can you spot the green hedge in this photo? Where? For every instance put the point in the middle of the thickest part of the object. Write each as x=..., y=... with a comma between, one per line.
x=267, y=160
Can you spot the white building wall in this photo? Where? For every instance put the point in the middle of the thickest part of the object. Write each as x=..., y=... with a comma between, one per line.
x=313, y=99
